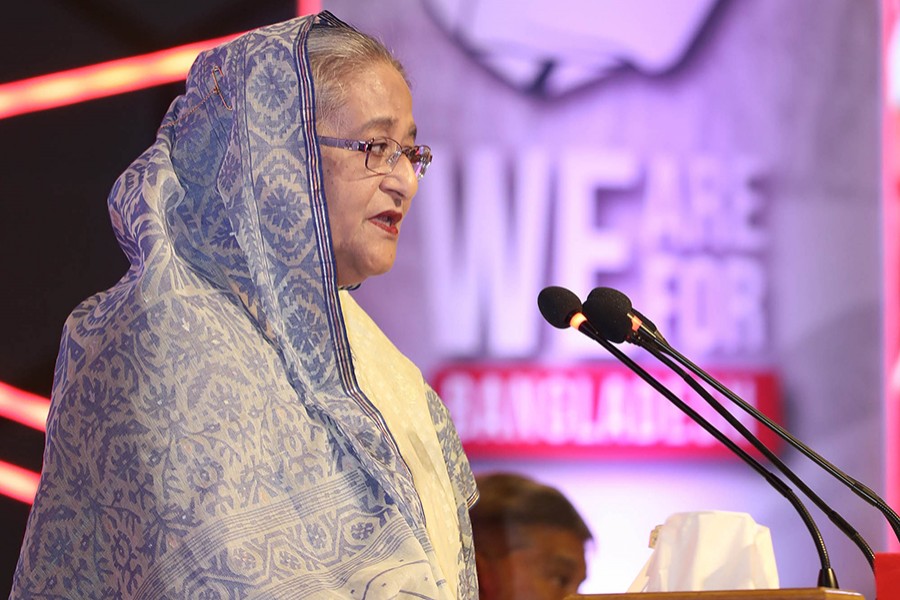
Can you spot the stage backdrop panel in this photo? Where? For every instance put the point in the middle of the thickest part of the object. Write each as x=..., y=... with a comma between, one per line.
x=719, y=162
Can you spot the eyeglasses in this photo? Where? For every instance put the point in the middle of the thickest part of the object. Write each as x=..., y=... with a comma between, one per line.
x=382, y=153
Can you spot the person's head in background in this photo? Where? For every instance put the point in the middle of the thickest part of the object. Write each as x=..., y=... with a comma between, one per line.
x=529, y=540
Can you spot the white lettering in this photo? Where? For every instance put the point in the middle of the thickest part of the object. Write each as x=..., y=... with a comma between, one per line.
x=691, y=252
x=707, y=305
x=614, y=409
x=585, y=246
x=486, y=252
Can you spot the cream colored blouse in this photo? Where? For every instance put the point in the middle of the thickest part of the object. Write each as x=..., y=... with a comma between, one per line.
x=397, y=389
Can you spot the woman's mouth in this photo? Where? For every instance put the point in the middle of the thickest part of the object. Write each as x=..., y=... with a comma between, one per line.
x=388, y=221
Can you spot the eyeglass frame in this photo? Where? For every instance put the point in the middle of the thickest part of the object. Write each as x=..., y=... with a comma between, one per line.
x=391, y=161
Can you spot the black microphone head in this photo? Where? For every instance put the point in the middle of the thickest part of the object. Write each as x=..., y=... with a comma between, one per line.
x=607, y=310
x=558, y=304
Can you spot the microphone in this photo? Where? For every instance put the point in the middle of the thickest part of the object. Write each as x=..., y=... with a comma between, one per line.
x=617, y=320
x=562, y=309
x=607, y=309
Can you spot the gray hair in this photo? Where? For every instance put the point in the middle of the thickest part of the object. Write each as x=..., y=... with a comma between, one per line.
x=335, y=54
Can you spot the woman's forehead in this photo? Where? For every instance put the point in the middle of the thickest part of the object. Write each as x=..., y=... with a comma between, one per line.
x=377, y=99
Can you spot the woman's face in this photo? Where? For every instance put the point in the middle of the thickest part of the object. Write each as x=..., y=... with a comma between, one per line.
x=366, y=209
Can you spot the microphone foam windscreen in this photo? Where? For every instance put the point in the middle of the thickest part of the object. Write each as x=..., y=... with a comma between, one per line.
x=558, y=304
x=607, y=310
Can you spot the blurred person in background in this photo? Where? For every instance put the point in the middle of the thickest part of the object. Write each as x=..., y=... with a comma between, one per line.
x=529, y=540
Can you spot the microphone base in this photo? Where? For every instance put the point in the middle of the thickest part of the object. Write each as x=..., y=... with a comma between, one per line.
x=827, y=579
x=887, y=575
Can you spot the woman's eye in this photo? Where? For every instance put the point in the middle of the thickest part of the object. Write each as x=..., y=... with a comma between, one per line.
x=378, y=148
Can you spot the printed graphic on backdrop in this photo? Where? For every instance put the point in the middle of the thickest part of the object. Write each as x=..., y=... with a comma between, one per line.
x=552, y=56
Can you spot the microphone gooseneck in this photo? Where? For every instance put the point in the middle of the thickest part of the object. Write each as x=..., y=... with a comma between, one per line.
x=560, y=308
x=643, y=336
x=832, y=514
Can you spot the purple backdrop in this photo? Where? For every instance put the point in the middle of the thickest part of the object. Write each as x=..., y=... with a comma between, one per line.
x=717, y=161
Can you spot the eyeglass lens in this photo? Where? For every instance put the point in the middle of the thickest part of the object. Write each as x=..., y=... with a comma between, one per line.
x=384, y=153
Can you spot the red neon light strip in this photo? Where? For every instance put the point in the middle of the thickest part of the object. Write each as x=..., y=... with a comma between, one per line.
x=110, y=78
x=71, y=87
x=100, y=80
x=23, y=407
x=18, y=483
x=891, y=265
x=31, y=410
x=308, y=7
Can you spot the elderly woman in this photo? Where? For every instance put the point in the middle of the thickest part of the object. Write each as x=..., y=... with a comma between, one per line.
x=226, y=421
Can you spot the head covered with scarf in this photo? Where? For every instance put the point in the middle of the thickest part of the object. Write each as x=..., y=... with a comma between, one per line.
x=211, y=435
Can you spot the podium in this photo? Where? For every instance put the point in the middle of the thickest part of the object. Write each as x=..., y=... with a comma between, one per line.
x=777, y=594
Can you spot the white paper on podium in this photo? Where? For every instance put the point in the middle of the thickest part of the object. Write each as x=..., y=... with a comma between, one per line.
x=709, y=550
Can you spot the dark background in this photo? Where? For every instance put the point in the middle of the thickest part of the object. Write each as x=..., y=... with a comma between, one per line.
x=57, y=167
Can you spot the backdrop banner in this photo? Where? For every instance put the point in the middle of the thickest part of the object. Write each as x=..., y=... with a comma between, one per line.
x=718, y=162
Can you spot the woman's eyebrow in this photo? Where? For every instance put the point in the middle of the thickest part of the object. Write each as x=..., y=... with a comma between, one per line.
x=386, y=123
x=378, y=123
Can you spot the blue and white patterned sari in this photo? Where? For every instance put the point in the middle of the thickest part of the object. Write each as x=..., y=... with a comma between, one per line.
x=208, y=437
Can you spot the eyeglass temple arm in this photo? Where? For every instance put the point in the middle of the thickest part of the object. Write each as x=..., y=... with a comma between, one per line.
x=357, y=145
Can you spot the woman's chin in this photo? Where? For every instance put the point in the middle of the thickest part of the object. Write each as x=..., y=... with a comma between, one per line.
x=358, y=279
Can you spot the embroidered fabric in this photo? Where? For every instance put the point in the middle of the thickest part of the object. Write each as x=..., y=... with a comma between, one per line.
x=399, y=400
x=207, y=436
